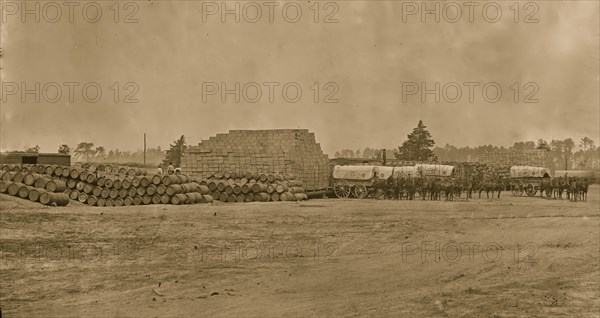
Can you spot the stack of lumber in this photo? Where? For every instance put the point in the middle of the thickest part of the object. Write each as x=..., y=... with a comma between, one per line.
x=104, y=188
x=283, y=151
x=248, y=187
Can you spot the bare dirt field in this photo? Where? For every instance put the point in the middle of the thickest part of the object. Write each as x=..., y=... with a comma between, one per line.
x=512, y=257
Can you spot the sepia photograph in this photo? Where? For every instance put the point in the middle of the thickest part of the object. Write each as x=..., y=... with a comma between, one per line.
x=299, y=158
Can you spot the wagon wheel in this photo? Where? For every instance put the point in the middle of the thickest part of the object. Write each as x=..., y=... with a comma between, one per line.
x=360, y=191
x=530, y=190
x=342, y=190
x=517, y=188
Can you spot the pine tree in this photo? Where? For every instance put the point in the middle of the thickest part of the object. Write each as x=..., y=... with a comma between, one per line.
x=418, y=145
x=175, y=152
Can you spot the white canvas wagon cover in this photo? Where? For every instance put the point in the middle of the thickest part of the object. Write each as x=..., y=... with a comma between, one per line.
x=353, y=172
x=405, y=171
x=384, y=172
x=435, y=170
x=529, y=172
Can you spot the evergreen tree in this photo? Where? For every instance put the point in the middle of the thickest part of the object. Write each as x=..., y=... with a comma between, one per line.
x=418, y=145
x=175, y=152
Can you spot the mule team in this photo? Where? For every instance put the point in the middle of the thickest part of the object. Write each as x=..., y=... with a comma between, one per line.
x=452, y=188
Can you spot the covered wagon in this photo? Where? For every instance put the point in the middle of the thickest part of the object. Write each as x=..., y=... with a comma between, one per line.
x=434, y=170
x=359, y=181
x=527, y=179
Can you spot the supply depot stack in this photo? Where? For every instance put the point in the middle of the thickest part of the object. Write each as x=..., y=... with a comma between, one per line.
x=280, y=151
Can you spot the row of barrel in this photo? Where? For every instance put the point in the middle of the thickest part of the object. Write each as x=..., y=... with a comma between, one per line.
x=250, y=189
x=30, y=186
x=109, y=168
x=103, y=189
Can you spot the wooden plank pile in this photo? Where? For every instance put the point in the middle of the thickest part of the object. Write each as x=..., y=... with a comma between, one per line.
x=249, y=187
x=107, y=188
x=280, y=151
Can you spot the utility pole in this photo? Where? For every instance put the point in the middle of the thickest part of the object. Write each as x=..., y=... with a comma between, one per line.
x=144, y=149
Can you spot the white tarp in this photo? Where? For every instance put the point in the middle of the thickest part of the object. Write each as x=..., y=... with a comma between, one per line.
x=384, y=172
x=435, y=170
x=529, y=172
x=354, y=172
x=405, y=171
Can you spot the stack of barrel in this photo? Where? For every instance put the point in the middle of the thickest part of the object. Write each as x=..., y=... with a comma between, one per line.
x=249, y=187
x=28, y=184
x=108, y=187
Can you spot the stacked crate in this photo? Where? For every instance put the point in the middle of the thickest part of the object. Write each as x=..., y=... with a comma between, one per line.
x=530, y=157
x=285, y=151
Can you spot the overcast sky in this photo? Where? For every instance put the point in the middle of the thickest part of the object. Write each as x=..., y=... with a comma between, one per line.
x=170, y=52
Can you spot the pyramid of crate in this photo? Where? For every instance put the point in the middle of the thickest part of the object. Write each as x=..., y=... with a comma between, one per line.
x=287, y=151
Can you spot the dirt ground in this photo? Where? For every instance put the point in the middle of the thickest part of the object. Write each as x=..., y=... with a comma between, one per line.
x=512, y=257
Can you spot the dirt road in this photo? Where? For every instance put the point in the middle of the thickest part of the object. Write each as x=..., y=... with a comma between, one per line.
x=511, y=257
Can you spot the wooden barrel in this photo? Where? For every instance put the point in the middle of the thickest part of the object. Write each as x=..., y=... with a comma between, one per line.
x=248, y=197
x=258, y=187
x=41, y=182
x=141, y=190
x=221, y=186
x=237, y=189
x=170, y=179
x=4, y=186
x=100, y=181
x=151, y=189
x=156, y=198
x=83, y=176
x=178, y=198
x=108, y=183
x=132, y=192
x=117, y=184
x=183, y=178
x=92, y=200
x=300, y=196
x=215, y=194
x=114, y=193
x=248, y=175
x=58, y=171
x=126, y=184
x=161, y=189
x=145, y=181
x=240, y=198
x=56, y=186
x=110, y=202
x=147, y=199
x=58, y=199
x=18, y=177
x=105, y=193
x=137, y=200
x=212, y=185
x=29, y=179
x=123, y=193
x=174, y=189
x=263, y=178
x=34, y=194
x=101, y=202
x=275, y=196
x=75, y=172
x=122, y=170
x=223, y=197
x=82, y=197
x=203, y=189
x=261, y=197
x=227, y=174
x=74, y=194
x=280, y=188
x=13, y=188
x=271, y=178
x=231, y=198
x=156, y=179
x=270, y=188
x=165, y=199
x=135, y=182
x=206, y=198
x=97, y=191
x=8, y=176
x=228, y=189
x=23, y=191
x=127, y=201
x=66, y=172
x=245, y=188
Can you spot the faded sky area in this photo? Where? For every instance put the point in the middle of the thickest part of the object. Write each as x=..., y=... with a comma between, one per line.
x=368, y=55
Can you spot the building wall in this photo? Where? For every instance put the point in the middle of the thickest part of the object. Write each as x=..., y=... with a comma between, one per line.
x=261, y=151
x=41, y=158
